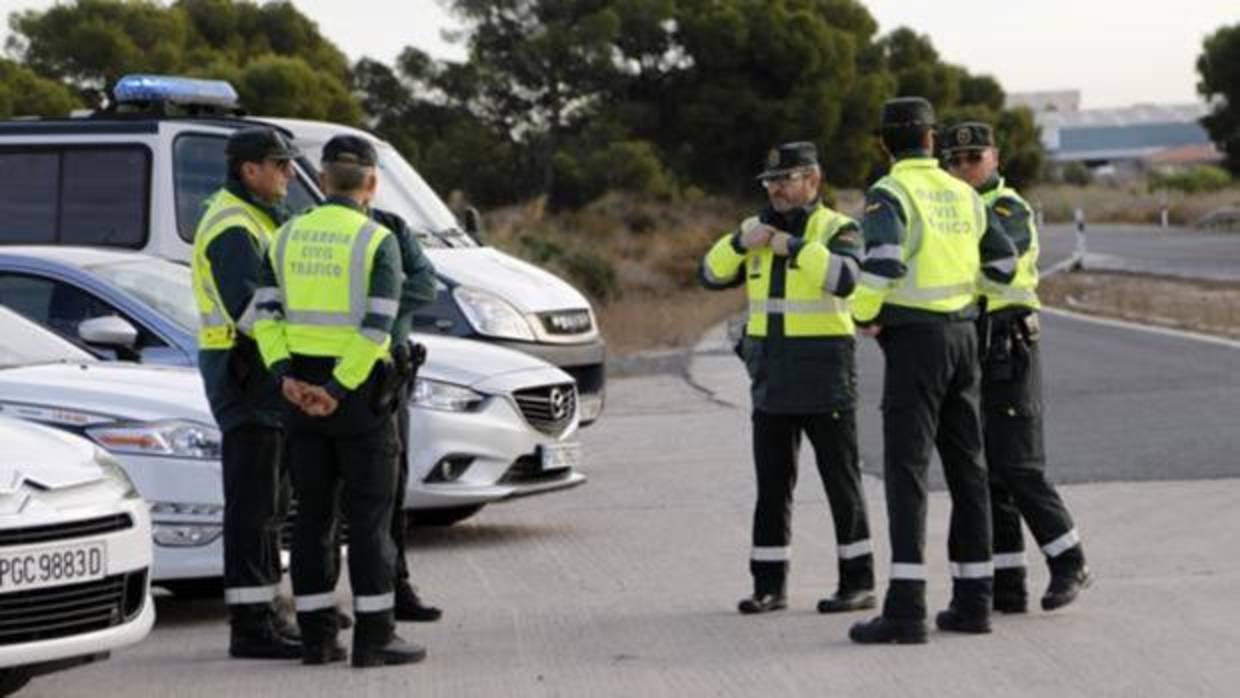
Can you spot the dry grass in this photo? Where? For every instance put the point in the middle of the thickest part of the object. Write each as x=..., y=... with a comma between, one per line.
x=1211, y=307
x=1126, y=204
x=674, y=321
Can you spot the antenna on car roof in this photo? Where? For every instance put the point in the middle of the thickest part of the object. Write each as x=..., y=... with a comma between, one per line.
x=167, y=95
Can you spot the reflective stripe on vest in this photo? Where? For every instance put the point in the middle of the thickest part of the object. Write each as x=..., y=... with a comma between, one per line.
x=216, y=330
x=945, y=222
x=1023, y=289
x=808, y=308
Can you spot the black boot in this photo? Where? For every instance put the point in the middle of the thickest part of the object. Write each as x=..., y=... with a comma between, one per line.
x=253, y=634
x=1064, y=588
x=954, y=620
x=396, y=651
x=1010, y=594
x=762, y=603
x=845, y=600
x=409, y=606
x=323, y=653
x=883, y=630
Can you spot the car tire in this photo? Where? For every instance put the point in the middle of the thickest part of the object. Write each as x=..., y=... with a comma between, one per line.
x=195, y=589
x=11, y=680
x=445, y=516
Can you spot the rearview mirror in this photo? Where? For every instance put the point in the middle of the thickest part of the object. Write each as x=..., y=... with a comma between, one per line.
x=108, y=331
x=472, y=222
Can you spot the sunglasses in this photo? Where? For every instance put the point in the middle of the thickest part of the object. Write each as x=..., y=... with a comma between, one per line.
x=780, y=180
x=972, y=157
x=281, y=164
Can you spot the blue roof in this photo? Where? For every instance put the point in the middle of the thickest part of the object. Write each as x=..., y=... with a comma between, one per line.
x=1136, y=137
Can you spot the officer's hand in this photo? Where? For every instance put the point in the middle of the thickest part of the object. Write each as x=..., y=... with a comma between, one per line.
x=294, y=390
x=755, y=234
x=779, y=243
x=870, y=330
x=318, y=402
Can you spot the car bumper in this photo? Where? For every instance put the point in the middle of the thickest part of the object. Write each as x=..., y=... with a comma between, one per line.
x=501, y=449
x=128, y=558
x=187, y=507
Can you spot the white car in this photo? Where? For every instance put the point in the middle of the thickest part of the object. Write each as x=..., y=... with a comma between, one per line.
x=487, y=424
x=75, y=554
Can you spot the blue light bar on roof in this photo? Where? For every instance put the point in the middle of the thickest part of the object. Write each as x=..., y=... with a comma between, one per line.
x=166, y=88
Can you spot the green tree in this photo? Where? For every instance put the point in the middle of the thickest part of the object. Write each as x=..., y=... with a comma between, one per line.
x=1219, y=68
x=22, y=93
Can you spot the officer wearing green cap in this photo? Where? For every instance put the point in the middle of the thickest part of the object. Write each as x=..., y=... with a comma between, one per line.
x=928, y=237
x=1012, y=394
x=324, y=316
x=232, y=236
x=799, y=261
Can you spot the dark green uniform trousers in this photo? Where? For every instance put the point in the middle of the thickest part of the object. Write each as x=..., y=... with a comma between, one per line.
x=930, y=399
x=1012, y=419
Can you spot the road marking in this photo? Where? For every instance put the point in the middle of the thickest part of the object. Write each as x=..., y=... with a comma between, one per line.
x=1137, y=327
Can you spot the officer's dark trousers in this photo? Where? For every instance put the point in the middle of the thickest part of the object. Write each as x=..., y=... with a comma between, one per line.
x=351, y=456
x=1012, y=419
x=930, y=399
x=402, y=482
x=251, y=461
x=776, y=443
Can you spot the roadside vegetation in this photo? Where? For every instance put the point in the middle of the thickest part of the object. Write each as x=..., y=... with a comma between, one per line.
x=1209, y=307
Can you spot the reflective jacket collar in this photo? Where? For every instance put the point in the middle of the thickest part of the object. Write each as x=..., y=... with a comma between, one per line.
x=278, y=213
x=346, y=202
x=914, y=160
x=995, y=182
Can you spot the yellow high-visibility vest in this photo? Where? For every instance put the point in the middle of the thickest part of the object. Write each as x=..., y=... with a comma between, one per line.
x=808, y=308
x=216, y=330
x=1023, y=291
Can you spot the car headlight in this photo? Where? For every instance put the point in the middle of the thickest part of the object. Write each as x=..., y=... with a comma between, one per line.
x=437, y=395
x=491, y=315
x=114, y=471
x=177, y=438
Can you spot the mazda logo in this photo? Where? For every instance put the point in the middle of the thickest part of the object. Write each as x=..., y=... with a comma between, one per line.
x=560, y=403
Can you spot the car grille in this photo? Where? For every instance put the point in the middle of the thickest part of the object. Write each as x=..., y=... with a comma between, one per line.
x=566, y=322
x=61, y=531
x=72, y=609
x=550, y=408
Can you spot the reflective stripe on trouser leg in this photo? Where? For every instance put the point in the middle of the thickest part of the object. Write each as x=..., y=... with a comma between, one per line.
x=235, y=596
x=306, y=603
x=1008, y=561
x=775, y=441
x=1062, y=544
x=374, y=603
x=369, y=484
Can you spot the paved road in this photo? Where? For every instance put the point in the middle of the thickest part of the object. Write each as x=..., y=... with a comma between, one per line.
x=626, y=586
x=1175, y=251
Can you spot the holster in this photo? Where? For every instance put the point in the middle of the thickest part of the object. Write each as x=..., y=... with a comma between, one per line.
x=243, y=360
x=398, y=375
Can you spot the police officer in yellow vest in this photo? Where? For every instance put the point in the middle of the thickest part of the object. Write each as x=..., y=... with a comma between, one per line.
x=928, y=237
x=330, y=294
x=1012, y=395
x=798, y=260
x=229, y=244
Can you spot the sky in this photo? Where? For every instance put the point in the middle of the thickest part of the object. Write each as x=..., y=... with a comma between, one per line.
x=1116, y=52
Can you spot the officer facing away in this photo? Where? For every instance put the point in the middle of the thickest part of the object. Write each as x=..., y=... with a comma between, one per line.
x=417, y=290
x=1012, y=395
x=927, y=236
x=330, y=294
x=229, y=244
x=799, y=260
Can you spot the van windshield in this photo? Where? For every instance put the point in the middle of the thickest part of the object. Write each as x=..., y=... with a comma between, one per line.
x=403, y=192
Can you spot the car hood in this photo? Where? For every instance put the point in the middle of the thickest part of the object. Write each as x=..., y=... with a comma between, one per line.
x=86, y=393
x=470, y=363
x=530, y=289
x=46, y=457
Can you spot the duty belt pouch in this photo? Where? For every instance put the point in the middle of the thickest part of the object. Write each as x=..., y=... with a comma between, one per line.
x=243, y=360
x=385, y=387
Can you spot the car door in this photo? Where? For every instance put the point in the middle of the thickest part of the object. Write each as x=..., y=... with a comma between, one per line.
x=62, y=306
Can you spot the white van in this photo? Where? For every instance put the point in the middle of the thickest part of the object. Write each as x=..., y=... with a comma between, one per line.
x=135, y=176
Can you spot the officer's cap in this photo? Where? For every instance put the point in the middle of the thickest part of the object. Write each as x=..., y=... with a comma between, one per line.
x=259, y=143
x=968, y=135
x=352, y=150
x=907, y=113
x=789, y=157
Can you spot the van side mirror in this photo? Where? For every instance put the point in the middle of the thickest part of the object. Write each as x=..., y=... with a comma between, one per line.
x=471, y=220
x=110, y=331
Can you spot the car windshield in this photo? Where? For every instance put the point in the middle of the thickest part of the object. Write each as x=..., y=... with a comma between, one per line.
x=160, y=284
x=403, y=192
x=22, y=343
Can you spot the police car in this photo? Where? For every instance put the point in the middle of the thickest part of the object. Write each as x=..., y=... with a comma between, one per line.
x=135, y=177
x=75, y=554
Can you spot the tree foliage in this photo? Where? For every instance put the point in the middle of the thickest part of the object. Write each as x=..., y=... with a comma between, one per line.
x=23, y=93
x=1219, y=68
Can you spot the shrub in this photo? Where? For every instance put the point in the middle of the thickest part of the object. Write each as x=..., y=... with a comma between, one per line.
x=1204, y=178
